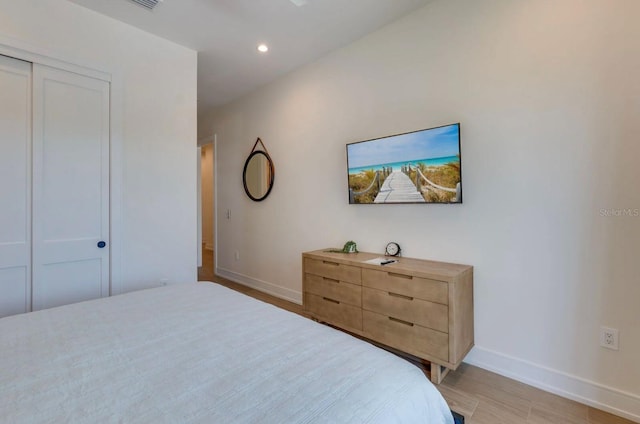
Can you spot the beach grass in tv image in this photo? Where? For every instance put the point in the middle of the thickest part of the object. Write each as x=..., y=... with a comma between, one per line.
x=416, y=167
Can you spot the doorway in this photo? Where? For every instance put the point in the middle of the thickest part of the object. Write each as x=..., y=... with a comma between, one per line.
x=206, y=270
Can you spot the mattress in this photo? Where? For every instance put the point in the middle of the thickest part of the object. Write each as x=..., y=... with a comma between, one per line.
x=200, y=353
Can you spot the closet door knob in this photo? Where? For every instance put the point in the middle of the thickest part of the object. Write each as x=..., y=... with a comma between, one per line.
x=101, y=244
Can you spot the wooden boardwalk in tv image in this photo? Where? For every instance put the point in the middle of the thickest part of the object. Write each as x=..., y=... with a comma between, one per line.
x=398, y=188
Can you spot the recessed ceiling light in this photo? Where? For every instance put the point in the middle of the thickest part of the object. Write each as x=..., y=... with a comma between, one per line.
x=263, y=48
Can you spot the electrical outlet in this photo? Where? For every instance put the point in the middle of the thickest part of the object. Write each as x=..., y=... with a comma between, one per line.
x=228, y=213
x=237, y=255
x=609, y=338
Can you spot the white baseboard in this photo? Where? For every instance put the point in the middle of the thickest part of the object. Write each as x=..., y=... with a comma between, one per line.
x=599, y=396
x=263, y=286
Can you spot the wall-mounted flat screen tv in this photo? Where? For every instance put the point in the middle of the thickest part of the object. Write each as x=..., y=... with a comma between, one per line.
x=417, y=167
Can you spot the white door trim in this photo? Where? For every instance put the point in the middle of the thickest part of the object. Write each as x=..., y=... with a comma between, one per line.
x=199, y=196
x=215, y=203
x=24, y=51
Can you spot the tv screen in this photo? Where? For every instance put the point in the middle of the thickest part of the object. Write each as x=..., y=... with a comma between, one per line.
x=416, y=167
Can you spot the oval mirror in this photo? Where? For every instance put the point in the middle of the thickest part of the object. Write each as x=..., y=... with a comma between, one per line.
x=257, y=176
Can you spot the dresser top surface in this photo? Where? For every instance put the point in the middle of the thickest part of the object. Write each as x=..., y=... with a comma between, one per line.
x=421, y=267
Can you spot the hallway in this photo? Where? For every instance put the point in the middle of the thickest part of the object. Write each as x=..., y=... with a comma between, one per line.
x=206, y=271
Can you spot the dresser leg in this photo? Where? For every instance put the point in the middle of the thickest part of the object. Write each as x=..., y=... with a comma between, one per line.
x=438, y=373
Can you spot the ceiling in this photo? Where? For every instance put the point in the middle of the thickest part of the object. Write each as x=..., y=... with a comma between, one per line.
x=226, y=34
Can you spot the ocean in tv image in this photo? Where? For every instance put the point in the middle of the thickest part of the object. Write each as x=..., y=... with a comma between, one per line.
x=417, y=167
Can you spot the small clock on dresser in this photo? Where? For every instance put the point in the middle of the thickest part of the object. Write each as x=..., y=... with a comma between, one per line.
x=392, y=249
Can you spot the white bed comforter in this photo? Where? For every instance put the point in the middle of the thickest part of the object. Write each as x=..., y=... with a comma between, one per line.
x=200, y=353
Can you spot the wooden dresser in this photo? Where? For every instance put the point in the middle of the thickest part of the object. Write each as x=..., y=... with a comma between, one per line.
x=423, y=308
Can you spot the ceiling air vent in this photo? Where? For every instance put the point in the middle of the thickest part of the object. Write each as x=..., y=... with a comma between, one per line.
x=149, y=4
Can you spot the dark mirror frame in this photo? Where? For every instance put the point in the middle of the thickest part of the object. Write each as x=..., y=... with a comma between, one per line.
x=271, y=175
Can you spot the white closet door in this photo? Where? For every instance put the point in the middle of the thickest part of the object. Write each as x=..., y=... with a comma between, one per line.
x=15, y=186
x=70, y=187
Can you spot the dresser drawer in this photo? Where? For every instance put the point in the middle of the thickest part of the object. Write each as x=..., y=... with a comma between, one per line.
x=334, y=312
x=405, y=336
x=334, y=270
x=333, y=289
x=418, y=311
x=408, y=285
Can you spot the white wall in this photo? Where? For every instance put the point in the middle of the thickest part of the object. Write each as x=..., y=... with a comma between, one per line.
x=155, y=135
x=548, y=96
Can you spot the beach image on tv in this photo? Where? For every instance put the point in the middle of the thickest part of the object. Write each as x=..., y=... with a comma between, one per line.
x=417, y=167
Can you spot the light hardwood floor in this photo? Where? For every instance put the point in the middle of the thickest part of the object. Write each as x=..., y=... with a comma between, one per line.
x=481, y=396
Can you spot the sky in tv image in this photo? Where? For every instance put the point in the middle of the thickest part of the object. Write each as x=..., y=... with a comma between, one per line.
x=416, y=146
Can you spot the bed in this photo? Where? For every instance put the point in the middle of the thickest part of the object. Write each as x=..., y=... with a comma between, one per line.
x=200, y=353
